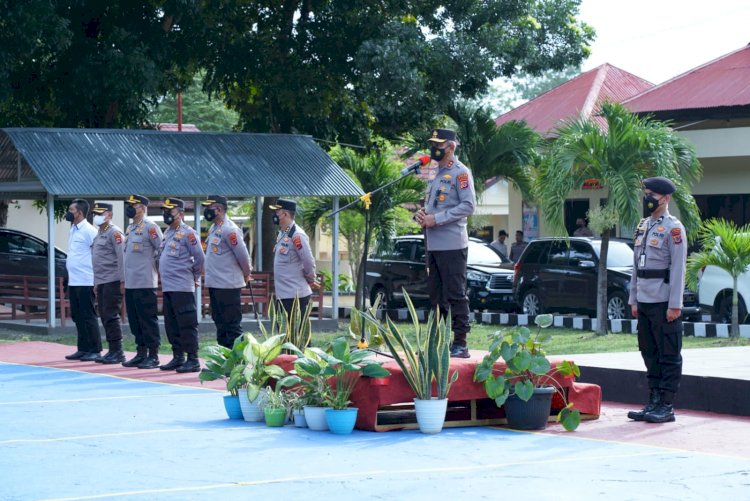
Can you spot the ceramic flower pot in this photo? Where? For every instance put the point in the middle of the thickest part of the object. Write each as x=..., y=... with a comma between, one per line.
x=252, y=411
x=341, y=422
x=431, y=414
x=316, y=418
x=299, y=418
x=275, y=417
x=232, y=406
x=531, y=415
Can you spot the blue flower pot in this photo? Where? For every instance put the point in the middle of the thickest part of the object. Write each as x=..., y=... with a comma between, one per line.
x=232, y=405
x=341, y=422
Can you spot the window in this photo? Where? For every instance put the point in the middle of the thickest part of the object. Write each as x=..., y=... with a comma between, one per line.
x=419, y=252
x=558, y=253
x=19, y=244
x=536, y=253
x=580, y=251
x=402, y=251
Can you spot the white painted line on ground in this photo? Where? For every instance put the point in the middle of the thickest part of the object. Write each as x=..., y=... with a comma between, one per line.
x=110, y=435
x=95, y=399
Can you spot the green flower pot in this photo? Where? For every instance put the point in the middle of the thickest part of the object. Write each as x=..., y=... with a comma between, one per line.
x=275, y=417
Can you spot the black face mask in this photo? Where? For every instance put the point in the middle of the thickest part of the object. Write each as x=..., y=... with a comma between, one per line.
x=436, y=153
x=130, y=211
x=168, y=217
x=69, y=217
x=275, y=219
x=650, y=204
x=209, y=214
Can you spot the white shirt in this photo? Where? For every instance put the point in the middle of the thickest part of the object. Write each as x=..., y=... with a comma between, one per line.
x=80, y=269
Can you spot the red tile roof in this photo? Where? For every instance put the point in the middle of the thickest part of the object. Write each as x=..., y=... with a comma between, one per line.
x=580, y=96
x=722, y=82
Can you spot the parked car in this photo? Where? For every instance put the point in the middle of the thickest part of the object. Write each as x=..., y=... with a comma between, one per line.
x=403, y=267
x=25, y=254
x=551, y=275
x=715, y=294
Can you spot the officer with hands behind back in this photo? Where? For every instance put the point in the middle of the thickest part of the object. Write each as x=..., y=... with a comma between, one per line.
x=656, y=290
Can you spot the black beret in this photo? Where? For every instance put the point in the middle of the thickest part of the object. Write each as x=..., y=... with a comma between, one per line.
x=289, y=205
x=101, y=207
x=171, y=203
x=215, y=199
x=660, y=185
x=137, y=199
x=442, y=135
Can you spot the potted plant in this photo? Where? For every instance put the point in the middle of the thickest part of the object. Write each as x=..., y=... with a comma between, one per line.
x=296, y=326
x=297, y=401
x=344, y=368
x=229, y=365
x=426, y=361
x=276, y=402
x=259, y=369
x=527, y=378
x=310, y=368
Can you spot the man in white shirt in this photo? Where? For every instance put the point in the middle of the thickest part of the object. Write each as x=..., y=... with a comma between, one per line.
x=81, y=282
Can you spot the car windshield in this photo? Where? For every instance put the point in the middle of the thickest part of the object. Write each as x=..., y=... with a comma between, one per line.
x=619, y=255
x=480, y=254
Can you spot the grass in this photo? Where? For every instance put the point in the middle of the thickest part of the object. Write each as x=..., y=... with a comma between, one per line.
x=564, y=341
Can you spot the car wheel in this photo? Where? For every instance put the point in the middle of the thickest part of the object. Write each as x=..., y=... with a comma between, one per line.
x=532, y=304
x=618, y=307
x=725, y=310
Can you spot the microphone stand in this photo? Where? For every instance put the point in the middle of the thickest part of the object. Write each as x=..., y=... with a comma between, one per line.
x=366, y=200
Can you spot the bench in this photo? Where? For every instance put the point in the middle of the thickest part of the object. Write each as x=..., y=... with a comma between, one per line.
x=29, y=296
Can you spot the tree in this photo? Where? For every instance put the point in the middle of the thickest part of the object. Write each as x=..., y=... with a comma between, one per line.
x=620, y=154
x=727, y=247
x=345, y=69
x=508, y=93
x=370, y=172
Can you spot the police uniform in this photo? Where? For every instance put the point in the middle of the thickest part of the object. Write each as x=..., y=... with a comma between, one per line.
x=180, y=267
x=227, y=266
x=293, y=262
x=106, y=259
x=657, y=284
x=142, y=244
x=451, y=199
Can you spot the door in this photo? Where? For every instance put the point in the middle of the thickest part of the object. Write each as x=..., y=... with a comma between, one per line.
x=553, y=276
x=580, y=284
x=399, y=267
x=574, y=209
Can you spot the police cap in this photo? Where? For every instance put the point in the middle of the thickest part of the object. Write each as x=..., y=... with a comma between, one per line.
x=442, y=135
x=171, y=203
x=215, y=199
x=660, y=185
x=137, y=199
x=101, y=208
x=288, y=205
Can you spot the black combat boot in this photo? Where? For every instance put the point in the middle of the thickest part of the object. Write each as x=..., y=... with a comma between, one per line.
x=114, y=354
x=152, y=359
x=664, y=412
x=93, y=356
x=191, y=365
x=653, y=401
x=139, y=357
x=178, y=358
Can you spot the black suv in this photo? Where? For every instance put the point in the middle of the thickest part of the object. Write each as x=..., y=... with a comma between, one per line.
x=25, y=254
x=489, y=278
x=551, y=275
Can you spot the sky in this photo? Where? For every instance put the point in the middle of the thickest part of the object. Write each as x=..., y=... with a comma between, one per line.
x=661, y=39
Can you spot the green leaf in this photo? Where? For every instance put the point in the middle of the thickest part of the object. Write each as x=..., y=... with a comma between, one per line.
x=375, y=370
x=524, y=390
x=539, y=364
x=569, y=417
x=275, y=371
x=544, y=320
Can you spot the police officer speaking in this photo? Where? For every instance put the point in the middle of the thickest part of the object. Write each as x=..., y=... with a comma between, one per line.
x=450, y=200
x=293, y=262
x=228, y=269
x=180, y=266
x=656, y=290
x=142, y=243
x=106, y=258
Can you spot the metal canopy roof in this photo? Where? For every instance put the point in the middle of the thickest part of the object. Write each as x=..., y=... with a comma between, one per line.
x=105, y=162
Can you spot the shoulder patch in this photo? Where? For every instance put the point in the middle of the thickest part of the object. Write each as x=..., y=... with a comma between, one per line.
x=233, y=238
x=152, y=232
x=676, y=235
x=192, y=239
x=297, y=240
x=118, y=237
x=463, y=181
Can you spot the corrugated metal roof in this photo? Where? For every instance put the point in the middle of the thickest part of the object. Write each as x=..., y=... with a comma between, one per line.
x=98, y=162
x=578, y=97
x=723, y=82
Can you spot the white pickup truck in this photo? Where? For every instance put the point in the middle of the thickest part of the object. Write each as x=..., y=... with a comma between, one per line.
x=715, y=294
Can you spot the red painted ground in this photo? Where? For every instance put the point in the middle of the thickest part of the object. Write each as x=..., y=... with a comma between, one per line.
x=694, y=431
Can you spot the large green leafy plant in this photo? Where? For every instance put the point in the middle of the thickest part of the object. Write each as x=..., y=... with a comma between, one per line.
x=227, y=364
x=259, y=356
x=527, y=368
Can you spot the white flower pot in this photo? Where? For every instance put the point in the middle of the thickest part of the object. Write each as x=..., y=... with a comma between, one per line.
x=316, y=418
x=431, y=414
x=299, y=418
x=252, y=411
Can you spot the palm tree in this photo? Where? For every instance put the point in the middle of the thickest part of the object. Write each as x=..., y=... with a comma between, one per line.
x=727, y=247
x=369, y=171
x=620, y=154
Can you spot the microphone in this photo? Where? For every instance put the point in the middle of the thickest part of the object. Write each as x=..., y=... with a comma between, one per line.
x=423, y=160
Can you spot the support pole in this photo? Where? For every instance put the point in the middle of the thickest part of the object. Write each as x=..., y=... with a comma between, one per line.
x=197, y=226
x=51, y=261
x=335, y=261
x=258, y=233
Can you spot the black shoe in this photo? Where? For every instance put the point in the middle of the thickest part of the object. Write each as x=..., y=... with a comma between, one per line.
x=149, y=363
x=113, y=357
x=458, y=351
x=664, y=413
x=91, y=357
x=137, y=359
x=177, y=361
x=191, y=365
x=75, y=356
x=653, y=402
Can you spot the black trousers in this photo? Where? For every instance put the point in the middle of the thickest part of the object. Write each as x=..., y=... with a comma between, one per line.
x=181, y=322
x=288, y=303
x=142, y=310
x=446, y=285
x=109, y=300
x=82, y=310
x=226, y=312
x=660, y=343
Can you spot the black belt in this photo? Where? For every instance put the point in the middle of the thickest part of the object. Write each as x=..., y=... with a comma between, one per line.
x=654, y=274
